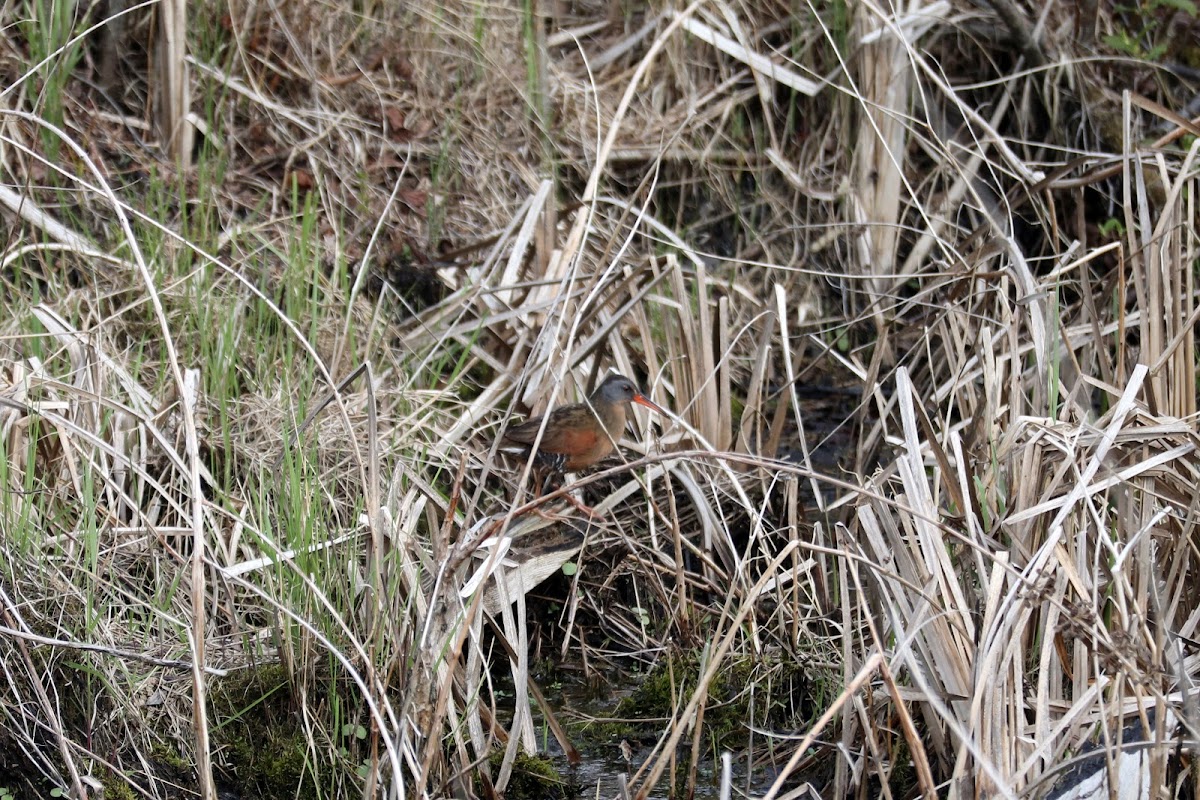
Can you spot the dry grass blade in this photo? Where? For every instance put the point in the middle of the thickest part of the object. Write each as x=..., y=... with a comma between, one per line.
x=756, y=61
x=919, y=304
x=173, y=86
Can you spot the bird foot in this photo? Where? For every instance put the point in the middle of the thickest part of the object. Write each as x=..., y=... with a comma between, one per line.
x=586, y=509
x=556, y=516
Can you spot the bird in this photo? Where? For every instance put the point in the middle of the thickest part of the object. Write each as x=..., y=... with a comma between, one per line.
x=579, y=435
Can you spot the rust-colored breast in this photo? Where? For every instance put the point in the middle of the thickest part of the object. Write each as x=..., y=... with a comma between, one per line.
x=573, y=432
x=581, y=447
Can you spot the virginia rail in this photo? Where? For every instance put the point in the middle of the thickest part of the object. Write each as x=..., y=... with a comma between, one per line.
x=579, y=435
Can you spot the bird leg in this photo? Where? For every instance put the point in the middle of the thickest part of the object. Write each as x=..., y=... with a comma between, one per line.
x=584, y=507
x=550, y=478
x=572, y=499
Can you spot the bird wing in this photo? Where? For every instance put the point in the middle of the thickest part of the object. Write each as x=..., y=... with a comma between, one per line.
x=523, y=433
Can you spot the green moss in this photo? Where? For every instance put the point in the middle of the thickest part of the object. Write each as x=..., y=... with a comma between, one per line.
x=167, y=757
x=115, y=787
x=168, y=768
x=771, y=692
x=258, y=744
x=903, y=779
x=532, y=777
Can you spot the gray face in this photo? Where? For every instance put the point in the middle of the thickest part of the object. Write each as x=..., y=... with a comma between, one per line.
x=618, y=389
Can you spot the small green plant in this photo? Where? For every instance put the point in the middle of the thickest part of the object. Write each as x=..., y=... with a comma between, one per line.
x=642, y=615
x=48, y=27
x=1142, y=40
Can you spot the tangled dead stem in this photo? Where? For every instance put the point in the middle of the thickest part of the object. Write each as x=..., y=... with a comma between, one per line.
x=917, y=285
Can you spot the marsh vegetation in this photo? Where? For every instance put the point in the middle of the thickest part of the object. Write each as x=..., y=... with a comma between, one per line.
x=916, y=285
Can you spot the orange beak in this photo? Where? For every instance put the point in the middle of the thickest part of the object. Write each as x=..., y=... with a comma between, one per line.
x=642, y=400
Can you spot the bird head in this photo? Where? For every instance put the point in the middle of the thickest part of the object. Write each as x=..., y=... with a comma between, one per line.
x=619, y=390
